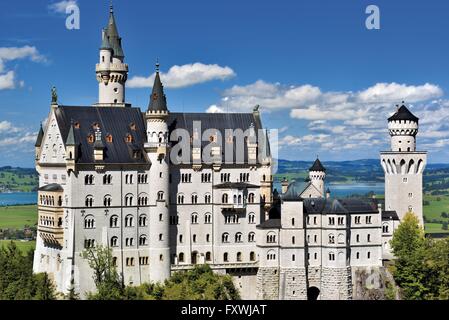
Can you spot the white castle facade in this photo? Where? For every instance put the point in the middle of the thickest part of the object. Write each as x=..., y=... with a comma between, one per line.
x=107, y=177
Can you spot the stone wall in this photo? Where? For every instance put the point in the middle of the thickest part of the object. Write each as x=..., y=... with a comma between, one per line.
x=267, y=284
x=293, y=284
x=336, y=284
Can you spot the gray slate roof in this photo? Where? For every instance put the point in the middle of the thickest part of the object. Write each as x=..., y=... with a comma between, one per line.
x=317, y=166
x=340, y=206
x=51, y=187
x=390, y=215
x=235, y=185
x=158, y=100
x=270, y=224
x=403, y=113
x=294, y=190
x=40, y=136
x=111, y=120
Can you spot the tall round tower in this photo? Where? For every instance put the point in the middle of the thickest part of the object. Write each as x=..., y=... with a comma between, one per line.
x=317, y=174
x=403, y=165
x=111, y=70
x=157, y=149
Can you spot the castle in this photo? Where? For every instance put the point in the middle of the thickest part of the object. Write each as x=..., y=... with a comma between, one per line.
x=112, y=175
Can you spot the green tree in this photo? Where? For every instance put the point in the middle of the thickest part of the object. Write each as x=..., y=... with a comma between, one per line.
x=107, y=280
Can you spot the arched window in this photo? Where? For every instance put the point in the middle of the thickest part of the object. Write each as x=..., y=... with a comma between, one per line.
x=208, y=256
x=225, y=257
x=194, y=198
x=107, y=200
x=225, y=237
x=271, y=237
x=194, y=218
x=225, y=198
x=238, y=237
x=251, y=237
x=181, y=257
x=252, y=256
x=89, y=201
x=113, y=221
x=160, y=196
x=143, y=220
x=89, y=222
x=143, y=240
x=180, y=198
x=252, y=218
x=239, y=256
x=129, y=200
x=331, y=256
x=114, y=242
x=331, y=239
x=129, y=221
x=251, y=198
x=208, y=218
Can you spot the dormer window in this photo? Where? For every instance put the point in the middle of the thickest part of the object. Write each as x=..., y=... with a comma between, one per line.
x=136, y=154
x=91, y=138
x=211, y=138
x=109, y=138
x=77, y=125
x=133, y=126
x=129, y=138
x=96, y=125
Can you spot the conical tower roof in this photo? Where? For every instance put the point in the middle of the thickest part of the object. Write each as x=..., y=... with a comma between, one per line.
x=403, y=113
x=158, y=100
x=70, y=137
x=317, y=166
x=111, y=32
x=40, y=136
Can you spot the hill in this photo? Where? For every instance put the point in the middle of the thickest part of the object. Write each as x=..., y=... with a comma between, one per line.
x=18, y=180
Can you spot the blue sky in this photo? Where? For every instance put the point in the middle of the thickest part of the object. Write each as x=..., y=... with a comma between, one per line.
x=324, y=80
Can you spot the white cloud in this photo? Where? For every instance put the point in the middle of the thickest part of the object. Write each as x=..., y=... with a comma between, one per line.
x=214, y=109
x=61, y=6
x=12, y=135
x=8, y=78
x=184, y=76
x=393, y=92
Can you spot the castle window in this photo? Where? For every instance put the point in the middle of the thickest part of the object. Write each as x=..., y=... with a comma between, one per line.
x=271, y=255
x=357, y=238
x=113, y=221
x=89, y=201
x=207, y=198
x=208, y=256
x=251, y=218
x=129, y=242
x=404, y=180
x=114, y=261
x=129, y=200
x=160, y=196
x=89, y=222
x=225, y=238
x=341, y=220
x=315, y=256
x=143, y=240
x=252, y=256
x=368, y=238
x=161, y=237
x=293, y=240
x=385, y=228
x=107, y=201
x=251, y=237
x=129, y=221
x=225, y=198
x=89, y=243
x=239, y=256
x=314, y=220
x=195, y=218
x=225, y=257
x=238, y=237
x=368, y=255
x=315, y=237
x=194, y=198
x=180, y=238
x=90, y=138
x=180, y=198
x=107, y=179
x=208, y=218
x=129, y=262
x=368, y=219
x=293, y=257
x=114, y=242
x=331, y=221
x=89, y=179
x=357, y=220
x=77, y=125
x=194, y=238
x=331, y=256
x=271, y=238
x=143, y=261
x=181, y=257
x=357, y=255
x=207, y=237
x=161, y=257
x=410, y=195
x=308, y=220
x=128, y=138
x=331, y=239
x=109, y=138
x=142, y=220
x=293, y=221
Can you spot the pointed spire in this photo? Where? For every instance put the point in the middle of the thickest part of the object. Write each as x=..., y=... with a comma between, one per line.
x=70, y=137
x=112, y=34
x=40, y=137
x=105, y=44
x=317, y=166
x=158, y=100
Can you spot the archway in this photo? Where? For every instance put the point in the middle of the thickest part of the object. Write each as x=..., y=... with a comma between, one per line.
x=313, y=293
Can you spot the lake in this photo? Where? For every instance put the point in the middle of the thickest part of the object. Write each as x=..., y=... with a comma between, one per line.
x=346, y=190
x=10, y=199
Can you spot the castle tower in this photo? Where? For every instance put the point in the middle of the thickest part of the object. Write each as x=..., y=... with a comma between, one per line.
x=111, y=70
x=157, y=149
x=317, y=174
x=403, y=166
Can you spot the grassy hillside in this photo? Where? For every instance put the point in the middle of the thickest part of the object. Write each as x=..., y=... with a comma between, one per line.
x=18, y=217
x=18, y=179
x=23, y=246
